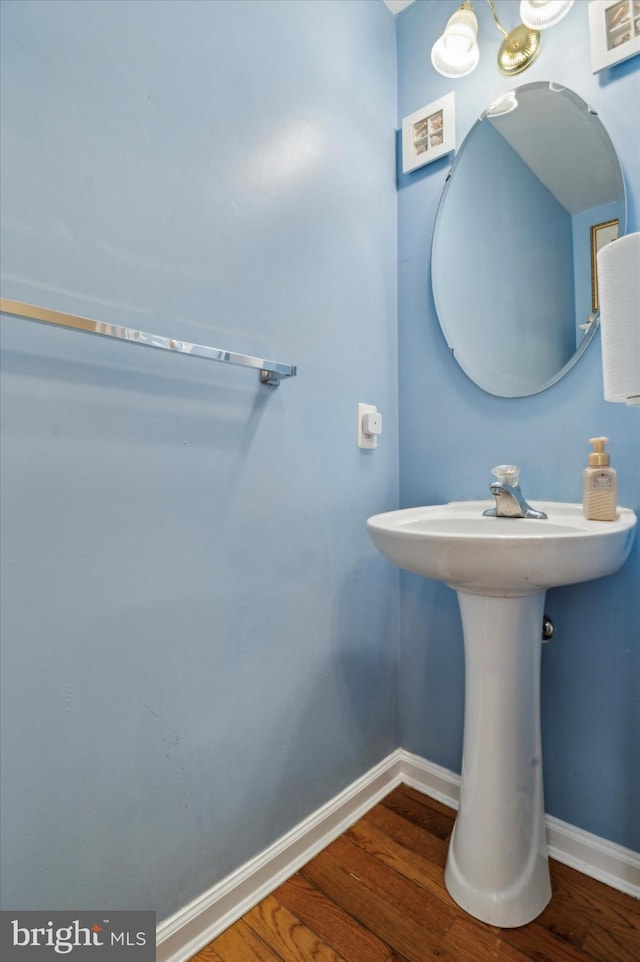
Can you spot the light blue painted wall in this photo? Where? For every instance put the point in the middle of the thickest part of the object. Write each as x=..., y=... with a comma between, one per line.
x=451, y=433
x=198, y=636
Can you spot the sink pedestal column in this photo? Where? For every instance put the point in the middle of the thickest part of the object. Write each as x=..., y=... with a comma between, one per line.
x=497, y=868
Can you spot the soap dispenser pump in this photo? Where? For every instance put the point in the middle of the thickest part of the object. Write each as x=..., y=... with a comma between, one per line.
x=599, y=484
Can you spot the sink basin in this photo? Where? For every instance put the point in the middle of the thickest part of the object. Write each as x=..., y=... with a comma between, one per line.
x=505, y=557
x=497, y=866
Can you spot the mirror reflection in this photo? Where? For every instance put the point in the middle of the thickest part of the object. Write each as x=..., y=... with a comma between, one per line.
x=535, y=188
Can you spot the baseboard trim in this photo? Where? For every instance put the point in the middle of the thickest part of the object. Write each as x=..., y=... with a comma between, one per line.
x=182, y=935
x=179, y=937
x=613, y=864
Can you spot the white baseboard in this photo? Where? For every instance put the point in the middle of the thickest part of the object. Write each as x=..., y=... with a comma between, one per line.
x=178, y=938
x=195, y=925
x=605, y=861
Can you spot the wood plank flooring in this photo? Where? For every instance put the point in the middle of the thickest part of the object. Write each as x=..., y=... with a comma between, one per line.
x=377, y=894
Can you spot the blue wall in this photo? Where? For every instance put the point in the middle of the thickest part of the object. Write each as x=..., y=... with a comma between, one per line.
x=197, y=633
x=451, y=434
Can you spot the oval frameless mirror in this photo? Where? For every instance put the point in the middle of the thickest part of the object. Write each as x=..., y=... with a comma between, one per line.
x=535, y=189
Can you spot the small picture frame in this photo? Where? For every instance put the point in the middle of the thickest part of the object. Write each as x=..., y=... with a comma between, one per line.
x=601, y=234
x=614, y=29
x=428, y=133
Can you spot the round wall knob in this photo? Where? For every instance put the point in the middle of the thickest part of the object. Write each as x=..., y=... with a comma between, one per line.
x=548, y=628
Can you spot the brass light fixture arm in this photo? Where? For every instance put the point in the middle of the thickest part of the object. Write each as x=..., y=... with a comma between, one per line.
x=519, y=47
x=468, y=5
x=495, y=17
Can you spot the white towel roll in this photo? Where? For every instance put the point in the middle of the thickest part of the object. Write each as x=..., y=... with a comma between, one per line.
x=619, y=292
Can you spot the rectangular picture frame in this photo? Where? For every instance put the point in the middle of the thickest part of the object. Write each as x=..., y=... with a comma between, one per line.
x=428, y=133
x=601, y=234
x=614, y=31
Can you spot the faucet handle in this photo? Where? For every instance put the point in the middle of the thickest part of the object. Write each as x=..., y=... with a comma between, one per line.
x=507, y=473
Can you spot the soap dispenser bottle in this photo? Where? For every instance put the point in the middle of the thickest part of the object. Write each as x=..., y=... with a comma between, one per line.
x=599, y=484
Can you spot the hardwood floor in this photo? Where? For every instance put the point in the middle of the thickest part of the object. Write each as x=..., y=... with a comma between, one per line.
x=377, y=894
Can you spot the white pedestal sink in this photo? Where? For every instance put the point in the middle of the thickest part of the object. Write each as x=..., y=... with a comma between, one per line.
x=497, y=867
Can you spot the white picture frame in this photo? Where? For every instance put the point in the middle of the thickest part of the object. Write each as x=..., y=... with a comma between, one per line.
x=614, y=30
x=428, y=133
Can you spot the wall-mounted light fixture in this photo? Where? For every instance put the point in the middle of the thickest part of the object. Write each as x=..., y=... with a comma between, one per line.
x=456, y=52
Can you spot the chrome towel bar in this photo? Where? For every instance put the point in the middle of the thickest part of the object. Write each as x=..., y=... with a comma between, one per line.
x=271, y=372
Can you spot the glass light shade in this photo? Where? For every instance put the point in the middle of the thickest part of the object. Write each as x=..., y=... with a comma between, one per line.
x=456, y=52
x=540, y=14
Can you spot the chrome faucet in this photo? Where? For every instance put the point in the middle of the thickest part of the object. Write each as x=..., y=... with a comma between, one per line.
x=510, y=502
